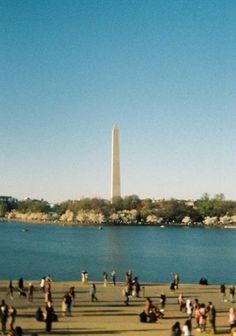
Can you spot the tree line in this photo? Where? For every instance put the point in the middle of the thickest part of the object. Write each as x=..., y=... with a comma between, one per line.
x=128, y=210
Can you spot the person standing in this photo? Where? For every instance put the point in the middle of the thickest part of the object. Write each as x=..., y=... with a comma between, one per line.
x=104, y=277
x=231, y=293
x=127, y=291
x=232, y=318
x=21, y=287
x=202, y=317
x=3, y=315
x=42, y=284
x=212, y=316
x=176, y=280
x=68, y=302
x=197, y=315
x=30, y=292
x=47, y=296
x=49, y=316
x=113, y=277
x=187, y=328
x=222, y=291
x=64, y=306
x=12, y=316
x=72, y=294
x=129, y=277
x=189, y=308
x=84, y=276
x=136, y=287
x=181, y=302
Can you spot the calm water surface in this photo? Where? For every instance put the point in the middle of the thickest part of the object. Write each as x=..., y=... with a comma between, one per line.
x=151, y=252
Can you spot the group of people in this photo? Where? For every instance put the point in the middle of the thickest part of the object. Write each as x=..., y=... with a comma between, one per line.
x=199, y=311
x=105, y=277
x=174, y=281
x=22, y=291
x=231, y=290
x=151, y=312
x=7, y=315
x=132, y=287
x=67, y=301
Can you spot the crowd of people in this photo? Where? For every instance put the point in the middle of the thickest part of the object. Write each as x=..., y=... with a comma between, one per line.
x=203, y=313
x=197, y=314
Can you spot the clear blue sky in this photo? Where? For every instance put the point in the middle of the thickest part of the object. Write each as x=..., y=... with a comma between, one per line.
x=164, y=71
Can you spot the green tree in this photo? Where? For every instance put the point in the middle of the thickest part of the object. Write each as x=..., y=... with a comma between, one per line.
x=33, y=205
x=7, y=204
x=132, y=202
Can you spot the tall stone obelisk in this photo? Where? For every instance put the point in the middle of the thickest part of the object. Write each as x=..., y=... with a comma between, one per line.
x=115, y=164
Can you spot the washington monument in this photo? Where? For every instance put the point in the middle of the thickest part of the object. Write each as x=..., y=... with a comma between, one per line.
x=115, y=164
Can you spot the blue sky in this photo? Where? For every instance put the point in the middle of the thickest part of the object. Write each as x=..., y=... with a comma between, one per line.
x=164, y=71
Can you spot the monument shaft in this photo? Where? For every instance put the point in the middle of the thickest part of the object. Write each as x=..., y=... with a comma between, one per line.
x=115, y=164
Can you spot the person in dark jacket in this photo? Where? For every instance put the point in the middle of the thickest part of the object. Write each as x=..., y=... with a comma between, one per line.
x=211, y=311
x=39, y=315
x=49, y=316
x=3, y=315
x=176, y=330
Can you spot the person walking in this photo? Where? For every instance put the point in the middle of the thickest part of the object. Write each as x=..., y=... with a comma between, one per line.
x=93, y=291
x=10, y=290
x=163, y=300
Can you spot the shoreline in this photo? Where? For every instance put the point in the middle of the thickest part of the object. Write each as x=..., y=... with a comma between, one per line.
x=110, y=224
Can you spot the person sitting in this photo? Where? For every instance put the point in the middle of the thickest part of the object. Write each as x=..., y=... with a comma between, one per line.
x=176, y=330
x=143, y=317
x=152, y=312
x=203, y=281
x=16, y=332
x=39, y=315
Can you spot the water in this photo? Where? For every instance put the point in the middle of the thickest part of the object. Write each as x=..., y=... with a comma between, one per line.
x=151, y=252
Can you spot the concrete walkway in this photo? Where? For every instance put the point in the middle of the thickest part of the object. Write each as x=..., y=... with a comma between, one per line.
x=109, y=316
